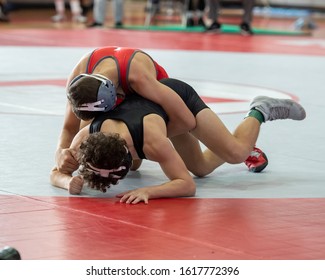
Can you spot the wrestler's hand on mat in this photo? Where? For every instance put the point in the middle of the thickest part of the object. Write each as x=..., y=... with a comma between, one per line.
x=75, y=184
x=134, y=196
x=66, y=160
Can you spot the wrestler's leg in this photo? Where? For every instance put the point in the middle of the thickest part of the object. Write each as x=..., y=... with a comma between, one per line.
x=232, y=148
x=198, y=162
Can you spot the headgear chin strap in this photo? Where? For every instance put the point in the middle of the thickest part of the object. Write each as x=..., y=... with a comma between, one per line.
x=106, y=95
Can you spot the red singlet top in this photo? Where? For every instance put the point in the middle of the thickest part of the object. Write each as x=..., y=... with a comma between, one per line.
x=123, y=57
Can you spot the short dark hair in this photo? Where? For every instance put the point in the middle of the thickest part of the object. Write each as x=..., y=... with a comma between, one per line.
x=104, y=151
x=84, y=90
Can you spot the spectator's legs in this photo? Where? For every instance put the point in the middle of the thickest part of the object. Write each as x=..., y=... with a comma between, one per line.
x=214, y=7
x=118, y=11
x=245, y=26
x=60, y=11
x=248, y=6
x=76, y=11
x=99, y=12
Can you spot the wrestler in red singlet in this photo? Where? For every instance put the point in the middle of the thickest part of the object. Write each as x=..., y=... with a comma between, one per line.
x=123, y=57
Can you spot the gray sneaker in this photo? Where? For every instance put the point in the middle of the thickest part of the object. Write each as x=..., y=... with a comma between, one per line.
x=278, y=109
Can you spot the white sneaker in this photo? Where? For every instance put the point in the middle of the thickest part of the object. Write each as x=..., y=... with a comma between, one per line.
x=58, y=18
x=278, y=109
x=79, y=19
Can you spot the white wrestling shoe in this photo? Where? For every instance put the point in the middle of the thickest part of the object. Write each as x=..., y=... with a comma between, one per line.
x=278, y=109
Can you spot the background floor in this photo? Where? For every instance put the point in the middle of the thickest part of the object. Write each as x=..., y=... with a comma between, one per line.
x=277, y=214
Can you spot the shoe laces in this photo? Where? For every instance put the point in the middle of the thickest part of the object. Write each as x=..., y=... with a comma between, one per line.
x=253, y=156
x=279, y=113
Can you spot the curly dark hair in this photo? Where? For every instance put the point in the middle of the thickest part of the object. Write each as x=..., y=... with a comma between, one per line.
x=104, y=151
x=83, y=90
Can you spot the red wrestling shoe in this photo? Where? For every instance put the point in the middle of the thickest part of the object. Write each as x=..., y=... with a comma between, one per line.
x=257, y=161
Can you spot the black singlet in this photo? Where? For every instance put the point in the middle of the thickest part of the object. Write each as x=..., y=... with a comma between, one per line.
x=190, y=97
x=134, y=108
x=131, y=111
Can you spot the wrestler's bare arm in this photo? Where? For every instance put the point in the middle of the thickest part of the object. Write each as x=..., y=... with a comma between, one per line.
x=142, y=78
x=65, y=180
x=158, y=148
x=71, y=125
x=181, y=183
x=73, y=184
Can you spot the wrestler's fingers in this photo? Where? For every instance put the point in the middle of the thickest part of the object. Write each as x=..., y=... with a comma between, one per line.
x=139, y=199
x=73, y=154
x=125, y=197
x=122, y=194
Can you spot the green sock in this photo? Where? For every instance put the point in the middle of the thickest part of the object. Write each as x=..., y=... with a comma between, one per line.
x=256, y=114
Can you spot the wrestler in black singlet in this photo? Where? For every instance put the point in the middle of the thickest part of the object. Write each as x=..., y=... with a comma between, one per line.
x=136, y=108
x=190, y=97
x=131, y=112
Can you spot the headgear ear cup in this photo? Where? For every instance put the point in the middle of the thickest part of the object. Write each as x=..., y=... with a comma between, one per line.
x=127, y=162
x=106, y=94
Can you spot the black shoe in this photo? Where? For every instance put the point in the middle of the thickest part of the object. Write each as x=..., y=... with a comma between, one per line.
x=118, y=24
x=4, y=18
x=215, y=27
x=95, y=24
x=200, y=22
x=245, y=29
x=86, y=9
x=3, y=14
x=190, y=22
